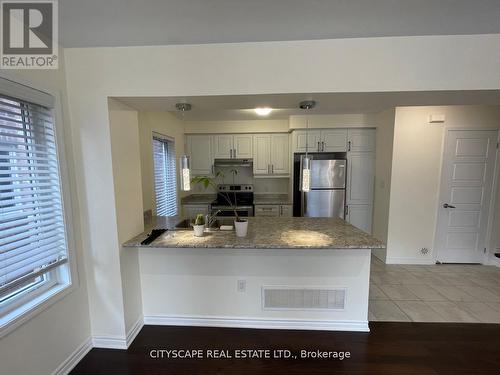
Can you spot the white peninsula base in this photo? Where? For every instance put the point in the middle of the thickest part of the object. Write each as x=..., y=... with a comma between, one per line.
x=225, y=288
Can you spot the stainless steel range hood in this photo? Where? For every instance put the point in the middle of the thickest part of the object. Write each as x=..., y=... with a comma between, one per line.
x=233, y=163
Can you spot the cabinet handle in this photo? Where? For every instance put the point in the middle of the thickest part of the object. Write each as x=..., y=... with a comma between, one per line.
x=213, y=169
x=234, y=152
x=349, y=146
x=346, y=211
x=281, y=210
x=272, y=168
x=322, y=146
x=319, y=149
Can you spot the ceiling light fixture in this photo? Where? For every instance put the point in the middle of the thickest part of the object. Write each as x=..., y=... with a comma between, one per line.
x=184, y=162
x=183, y=107
x=263, y=111
x=305, y=160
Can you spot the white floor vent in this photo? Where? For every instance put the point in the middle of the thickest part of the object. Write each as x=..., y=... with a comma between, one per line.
x=309, y=298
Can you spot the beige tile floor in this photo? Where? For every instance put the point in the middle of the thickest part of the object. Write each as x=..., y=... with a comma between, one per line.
x=437, y=293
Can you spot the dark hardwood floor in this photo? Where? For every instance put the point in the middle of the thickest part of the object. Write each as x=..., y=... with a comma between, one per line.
x=390, y=348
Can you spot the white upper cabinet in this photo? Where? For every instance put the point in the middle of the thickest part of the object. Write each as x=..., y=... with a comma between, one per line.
x=223, y=146
x=280, y=158
x=361, y=140
x=270, y=155
x=333, y=140
x=262, y=154
x=228, y=146
x=360, y=177
x=243, y=146
x=303, y=138
x=328, y=140
x=199, y=148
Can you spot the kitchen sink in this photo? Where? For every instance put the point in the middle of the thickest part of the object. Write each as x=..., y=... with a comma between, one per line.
x=186, y=224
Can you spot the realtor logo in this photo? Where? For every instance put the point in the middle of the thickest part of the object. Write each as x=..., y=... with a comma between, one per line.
x=29, y=34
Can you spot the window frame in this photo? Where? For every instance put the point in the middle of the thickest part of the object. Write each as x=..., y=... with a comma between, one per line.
x=168, y=139
x=64, y=279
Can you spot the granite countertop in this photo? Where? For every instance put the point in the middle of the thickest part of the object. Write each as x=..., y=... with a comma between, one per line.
x=267, y=233
x=198, y=199
x=272, y=199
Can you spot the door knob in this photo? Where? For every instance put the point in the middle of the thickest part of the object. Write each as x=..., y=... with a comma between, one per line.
x=446, y=205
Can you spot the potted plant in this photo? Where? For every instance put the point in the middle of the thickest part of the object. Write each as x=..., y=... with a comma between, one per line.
x=199, y=225
x=240, y=224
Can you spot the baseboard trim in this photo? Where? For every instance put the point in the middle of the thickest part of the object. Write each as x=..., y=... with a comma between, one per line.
x=75, y=357
x=201, y=321
x=108, y=342
x=118, y=342
x=398, y=260
x=134, y=331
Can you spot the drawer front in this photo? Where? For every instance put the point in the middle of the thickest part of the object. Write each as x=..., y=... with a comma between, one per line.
x=267, y=210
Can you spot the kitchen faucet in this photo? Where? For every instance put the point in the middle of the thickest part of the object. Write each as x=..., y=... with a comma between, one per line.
x=210, y=218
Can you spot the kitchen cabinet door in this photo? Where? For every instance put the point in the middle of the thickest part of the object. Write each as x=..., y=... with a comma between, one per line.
x=267, y=210
x=223, y=146
x=286, y=210
x=313, y=137
x=243, y=146
x=361, y=140
x=199, y=148
x=360, y=216
x=261, y=154
x=334, y=140
x=360, y=178
x=280, y=158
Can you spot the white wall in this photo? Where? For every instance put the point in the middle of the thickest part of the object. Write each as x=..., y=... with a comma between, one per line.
x=250, y=126
x=42, y=343
x=383, y=167
x=416, y=166
x=166, y=124
x=350, y=120
x=343, y=65
x=124, y=131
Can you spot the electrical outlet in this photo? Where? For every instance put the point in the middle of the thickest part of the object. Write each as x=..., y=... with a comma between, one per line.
x=242, y=286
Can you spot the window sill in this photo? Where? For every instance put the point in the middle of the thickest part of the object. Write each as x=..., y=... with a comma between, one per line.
x=29, y=310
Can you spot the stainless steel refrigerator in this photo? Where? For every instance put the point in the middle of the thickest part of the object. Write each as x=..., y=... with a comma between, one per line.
x=328, y=186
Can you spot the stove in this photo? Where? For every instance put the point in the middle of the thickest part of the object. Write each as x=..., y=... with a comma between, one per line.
x=240, y=196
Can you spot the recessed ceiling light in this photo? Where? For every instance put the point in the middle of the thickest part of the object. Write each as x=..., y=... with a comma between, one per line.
x=263, y=111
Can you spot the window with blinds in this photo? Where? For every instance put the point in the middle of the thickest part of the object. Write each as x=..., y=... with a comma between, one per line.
x=165, y=175
x=32, y=232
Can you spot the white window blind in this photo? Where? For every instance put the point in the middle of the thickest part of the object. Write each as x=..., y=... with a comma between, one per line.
x=165, y=176
x=32, y=233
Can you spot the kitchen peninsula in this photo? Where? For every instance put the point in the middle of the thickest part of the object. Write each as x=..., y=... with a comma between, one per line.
x=302, y=273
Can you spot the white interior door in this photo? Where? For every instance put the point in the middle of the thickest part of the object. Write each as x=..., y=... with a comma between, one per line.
x=466, y=184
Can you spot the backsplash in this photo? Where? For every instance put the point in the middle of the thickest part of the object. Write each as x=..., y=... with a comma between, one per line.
x=245, y=176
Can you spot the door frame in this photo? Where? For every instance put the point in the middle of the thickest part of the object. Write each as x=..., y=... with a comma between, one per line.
x=485, y=259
